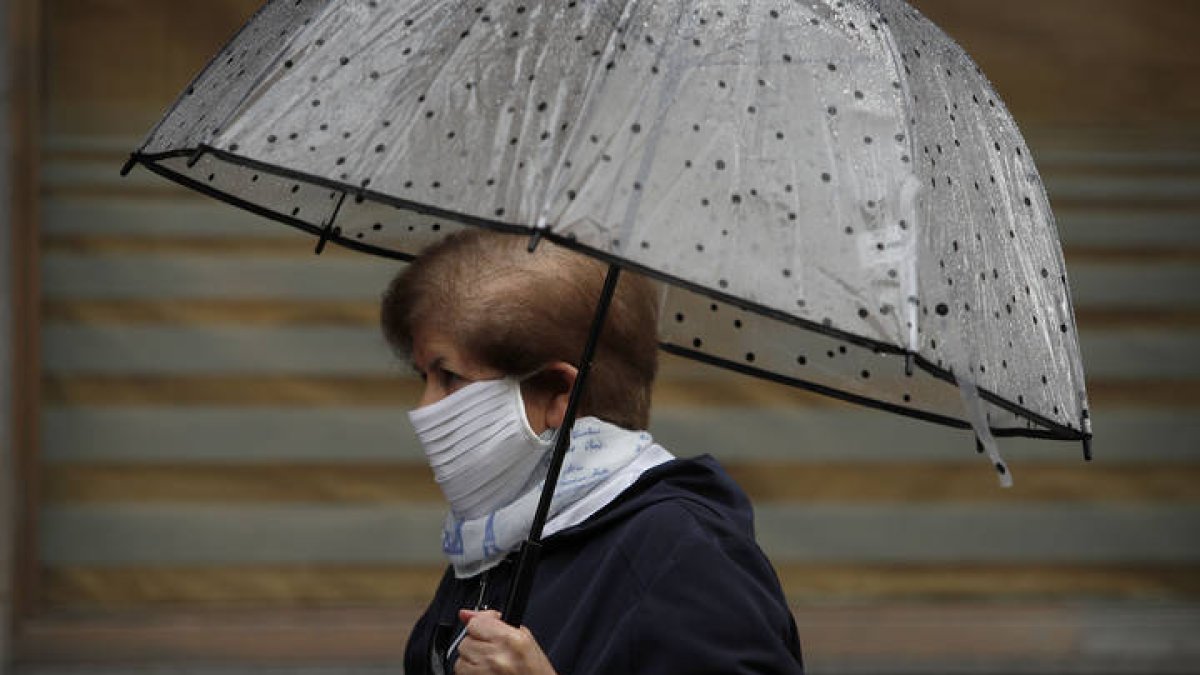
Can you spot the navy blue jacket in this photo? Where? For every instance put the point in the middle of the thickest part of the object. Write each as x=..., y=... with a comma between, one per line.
x=666, y=579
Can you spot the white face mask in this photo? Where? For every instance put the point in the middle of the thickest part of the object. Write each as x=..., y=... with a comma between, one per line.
x=480, y=446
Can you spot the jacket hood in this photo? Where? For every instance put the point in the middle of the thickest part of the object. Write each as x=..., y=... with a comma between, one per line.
x=701, y=481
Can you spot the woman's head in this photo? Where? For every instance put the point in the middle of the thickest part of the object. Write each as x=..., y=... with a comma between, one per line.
x=517, y=313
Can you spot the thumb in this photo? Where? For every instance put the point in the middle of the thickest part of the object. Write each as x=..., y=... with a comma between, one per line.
x=466, y=615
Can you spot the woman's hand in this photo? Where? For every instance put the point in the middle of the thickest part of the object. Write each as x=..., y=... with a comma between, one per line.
x=494, y=647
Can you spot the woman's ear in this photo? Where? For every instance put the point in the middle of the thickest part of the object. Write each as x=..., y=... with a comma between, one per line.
x=548, y=406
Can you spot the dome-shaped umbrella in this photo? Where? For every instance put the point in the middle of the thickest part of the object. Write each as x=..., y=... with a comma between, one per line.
x=832, y=190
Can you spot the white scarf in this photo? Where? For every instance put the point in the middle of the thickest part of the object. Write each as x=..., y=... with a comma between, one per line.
x=603, y=460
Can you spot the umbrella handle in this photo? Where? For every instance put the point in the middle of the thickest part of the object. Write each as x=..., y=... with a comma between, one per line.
x=518, y=597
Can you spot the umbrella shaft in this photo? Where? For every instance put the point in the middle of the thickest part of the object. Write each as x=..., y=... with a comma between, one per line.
x=527, y=564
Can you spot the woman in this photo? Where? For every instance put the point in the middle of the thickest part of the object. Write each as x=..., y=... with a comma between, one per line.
x=649, y=563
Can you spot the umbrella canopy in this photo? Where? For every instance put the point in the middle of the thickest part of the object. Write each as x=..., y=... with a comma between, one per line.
x=833, y=190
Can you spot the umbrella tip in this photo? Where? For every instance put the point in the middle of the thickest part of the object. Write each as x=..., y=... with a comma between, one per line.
x=326, y=233
x=534, y=240
x=199, y=152
x=128, y=165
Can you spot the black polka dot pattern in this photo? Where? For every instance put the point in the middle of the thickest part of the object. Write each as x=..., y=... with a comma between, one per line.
x=836, y=176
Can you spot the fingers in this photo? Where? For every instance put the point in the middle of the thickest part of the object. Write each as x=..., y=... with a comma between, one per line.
x=492, y=646
x=488, y=647
x=466, y=615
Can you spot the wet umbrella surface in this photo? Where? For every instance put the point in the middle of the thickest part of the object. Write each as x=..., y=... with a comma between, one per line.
x=833, y=190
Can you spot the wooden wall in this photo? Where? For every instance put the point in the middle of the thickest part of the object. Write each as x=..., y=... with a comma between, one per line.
x=222, y=430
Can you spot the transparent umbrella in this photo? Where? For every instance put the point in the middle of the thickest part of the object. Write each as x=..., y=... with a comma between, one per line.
x=832, y=191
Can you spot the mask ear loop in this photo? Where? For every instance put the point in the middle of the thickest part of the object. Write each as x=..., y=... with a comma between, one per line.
x=549, y=434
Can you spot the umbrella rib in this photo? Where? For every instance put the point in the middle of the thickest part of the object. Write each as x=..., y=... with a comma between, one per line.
x=1053, y=430
x=329, y=229
x=909, y=144
x=812, y=386
x=591, y=89
x=199, y=76
x=151, y=163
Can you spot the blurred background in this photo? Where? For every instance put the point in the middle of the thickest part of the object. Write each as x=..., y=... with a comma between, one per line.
x=206, y=467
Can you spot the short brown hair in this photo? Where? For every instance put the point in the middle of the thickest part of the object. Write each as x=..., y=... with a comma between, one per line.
x=517, y=311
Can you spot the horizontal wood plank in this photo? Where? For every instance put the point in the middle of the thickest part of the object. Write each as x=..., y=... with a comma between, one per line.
x=363, y=390
x=189, y=214
x=960, y=483
x=241, y=585
x=193, y=217
x=792, y=482
x=256, y=636
x=902, y=637
x=1029, y=48
x=117, y=534
x=262, y=586
x=204, y=434
x=217, y=311
x=216, y=350
x=1007, y=583
x=297, y=312
x=352, y=350
x=225, y=390
x=1150, y=319
x=1138, y=47
x=911, y=637
x=237, y=246
x=1106, y=285
x=1129, y=255
x=250, y=246
x=119, y=390
x=361, y=278
x=240, y=483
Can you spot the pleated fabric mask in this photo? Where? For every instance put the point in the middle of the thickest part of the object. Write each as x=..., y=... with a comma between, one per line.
x=480, y=446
